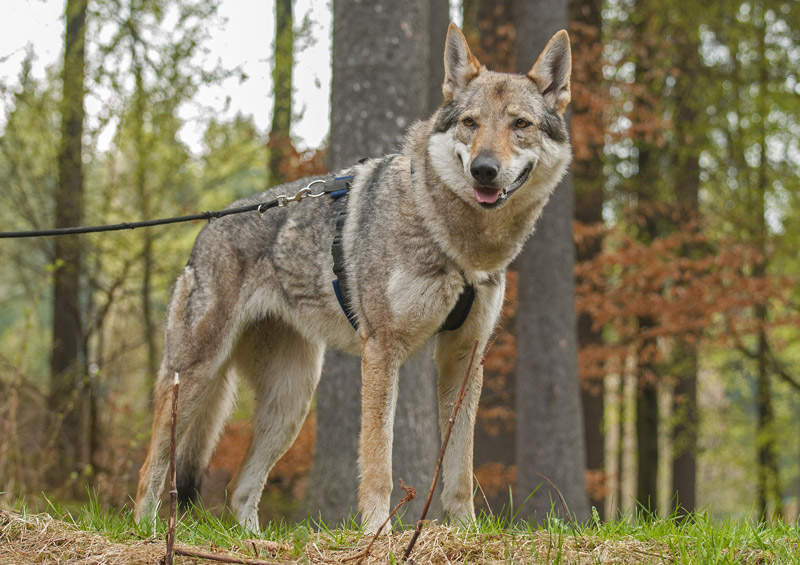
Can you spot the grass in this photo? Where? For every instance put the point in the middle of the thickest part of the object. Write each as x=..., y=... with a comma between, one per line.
x=94, y=534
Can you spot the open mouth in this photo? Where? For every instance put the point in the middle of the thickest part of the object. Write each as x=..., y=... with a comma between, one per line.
x=486, y=194
x=490, y=196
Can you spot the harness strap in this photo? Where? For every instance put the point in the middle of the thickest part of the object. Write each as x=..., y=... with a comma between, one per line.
x=458, y=315
x=338, y=188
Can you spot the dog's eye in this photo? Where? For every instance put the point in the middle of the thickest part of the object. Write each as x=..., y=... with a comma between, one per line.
x=521, y=123
x=469, y=122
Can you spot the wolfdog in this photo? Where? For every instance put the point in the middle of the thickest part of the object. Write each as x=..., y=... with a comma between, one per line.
x=423, y=239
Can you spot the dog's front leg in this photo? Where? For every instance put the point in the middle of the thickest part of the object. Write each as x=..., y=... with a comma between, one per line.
x=379, y=370
x=453, y=350
x=457, y=465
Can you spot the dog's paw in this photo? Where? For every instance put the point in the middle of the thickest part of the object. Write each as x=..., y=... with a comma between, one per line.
x=461, y=515
x=249, y=521
x=371, y=526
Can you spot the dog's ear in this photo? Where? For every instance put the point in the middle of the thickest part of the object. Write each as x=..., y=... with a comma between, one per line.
x=551, y=72
x=460, y=65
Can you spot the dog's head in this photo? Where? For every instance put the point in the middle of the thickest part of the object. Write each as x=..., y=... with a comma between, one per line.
x=499, y=133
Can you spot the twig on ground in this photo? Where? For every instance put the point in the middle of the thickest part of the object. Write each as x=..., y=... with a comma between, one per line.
x=411, y=494
x=450, y=423
x=221, y=557
x=173, y=489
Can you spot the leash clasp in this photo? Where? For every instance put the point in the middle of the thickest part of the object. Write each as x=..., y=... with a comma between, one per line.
x=304, y=192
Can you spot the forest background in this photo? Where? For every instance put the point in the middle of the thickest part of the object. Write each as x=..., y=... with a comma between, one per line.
x=681, y=387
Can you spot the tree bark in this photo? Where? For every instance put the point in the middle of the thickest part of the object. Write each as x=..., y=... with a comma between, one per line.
x=381, y=54
x=438, y=19
x=766, y=437
x=142, y=150
x=550, y=438
x=494, y=33
x=280, y=132
x=588, y=181
x=689, y=134
x=68, y=389
x=644, y=183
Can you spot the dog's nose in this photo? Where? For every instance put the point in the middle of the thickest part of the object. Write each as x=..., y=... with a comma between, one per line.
x=484, y=168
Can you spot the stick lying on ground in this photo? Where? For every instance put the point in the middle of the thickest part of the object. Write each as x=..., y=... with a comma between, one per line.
x=221, y=557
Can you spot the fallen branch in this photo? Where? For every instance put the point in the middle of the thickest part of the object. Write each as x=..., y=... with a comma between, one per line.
x=411, y=494
x=173, y=489
x=220, y=557
x=446, y=439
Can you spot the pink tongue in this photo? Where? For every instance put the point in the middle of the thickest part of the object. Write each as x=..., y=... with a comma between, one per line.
x=486, y=195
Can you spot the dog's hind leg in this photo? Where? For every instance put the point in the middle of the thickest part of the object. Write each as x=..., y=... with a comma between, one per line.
x=284, y=369
x=203, y=405
x=153, y=472
x=197, y=348
x=197, y=443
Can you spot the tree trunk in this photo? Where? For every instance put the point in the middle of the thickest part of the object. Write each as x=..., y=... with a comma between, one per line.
x=588, y=181
x=686, y=170
x=68, y=390
x=495, y=32
x=646, y=424
x=438, y=19
x=647, y=416
x=142, y=150
x=684, y=430
x=645, y=182
x=767, y=437
x=381, y=71
x=279, y=135
x=549, y=439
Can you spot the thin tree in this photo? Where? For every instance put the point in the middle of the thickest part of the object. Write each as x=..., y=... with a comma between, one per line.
x=549, y=440
x=588, y=180
x=769, y=485
x=645, y=188
x=279, y=135
x=68, y=389
x=689, y=136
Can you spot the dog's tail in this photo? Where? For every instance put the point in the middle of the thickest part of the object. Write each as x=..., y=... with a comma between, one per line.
x=201, y=435
x=187, y=481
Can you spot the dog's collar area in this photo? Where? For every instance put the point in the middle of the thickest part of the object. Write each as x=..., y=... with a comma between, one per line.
x=506, y=193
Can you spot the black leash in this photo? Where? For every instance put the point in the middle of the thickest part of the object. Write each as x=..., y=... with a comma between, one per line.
x=331, y=187
x=335, y=188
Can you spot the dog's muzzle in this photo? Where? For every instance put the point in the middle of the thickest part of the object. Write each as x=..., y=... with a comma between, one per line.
x=506, y=192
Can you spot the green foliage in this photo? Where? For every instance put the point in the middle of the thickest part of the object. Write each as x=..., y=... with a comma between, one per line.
x=146, y=62
x=28, y=156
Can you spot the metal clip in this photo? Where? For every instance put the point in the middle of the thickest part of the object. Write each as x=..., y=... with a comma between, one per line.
x=304, y=192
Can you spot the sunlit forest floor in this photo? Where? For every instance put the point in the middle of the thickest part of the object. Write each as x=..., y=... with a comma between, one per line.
x=92, y=534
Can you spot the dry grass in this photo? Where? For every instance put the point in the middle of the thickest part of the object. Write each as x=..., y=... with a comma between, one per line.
x=40, y=538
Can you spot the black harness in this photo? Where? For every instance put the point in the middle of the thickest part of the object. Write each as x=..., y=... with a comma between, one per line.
x=338, y=188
